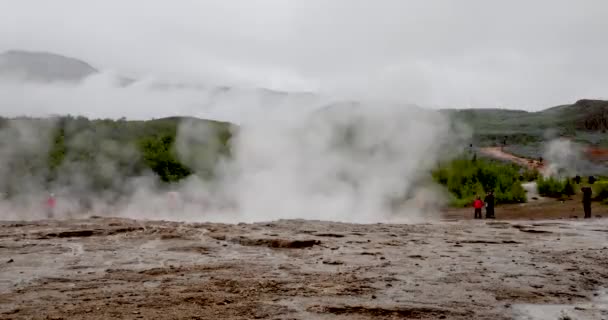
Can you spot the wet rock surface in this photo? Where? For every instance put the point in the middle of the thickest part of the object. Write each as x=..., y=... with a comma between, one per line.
x=106, y=268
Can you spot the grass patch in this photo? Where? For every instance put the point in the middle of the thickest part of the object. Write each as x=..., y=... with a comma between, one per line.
x=464, y=178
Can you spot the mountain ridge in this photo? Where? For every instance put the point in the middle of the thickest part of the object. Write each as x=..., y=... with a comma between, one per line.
x=44, y=66
x=585, y=114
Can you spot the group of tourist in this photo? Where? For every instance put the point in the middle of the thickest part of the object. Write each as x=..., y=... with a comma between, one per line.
x=488, y=202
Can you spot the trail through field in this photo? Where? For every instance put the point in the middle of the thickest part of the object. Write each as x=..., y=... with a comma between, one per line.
x=532, y=191
x=498, y=153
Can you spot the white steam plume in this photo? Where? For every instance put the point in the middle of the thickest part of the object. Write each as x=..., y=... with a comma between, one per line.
x=24, y=146
x=347, y=162
x=566, y=158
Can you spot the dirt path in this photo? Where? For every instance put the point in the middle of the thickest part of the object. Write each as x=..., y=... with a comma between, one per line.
x=498, y=153
x=541, y=209
x=118, y=268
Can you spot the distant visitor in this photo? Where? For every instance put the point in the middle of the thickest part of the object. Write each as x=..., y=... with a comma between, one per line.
x=50, y=206
x=587, y=201
x=489, y=200
x=477, y=204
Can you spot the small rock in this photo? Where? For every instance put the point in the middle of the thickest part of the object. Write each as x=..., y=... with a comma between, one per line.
x=10, y=261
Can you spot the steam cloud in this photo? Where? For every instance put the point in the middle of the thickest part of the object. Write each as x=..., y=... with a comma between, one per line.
x=292, y=157
x=565, y=158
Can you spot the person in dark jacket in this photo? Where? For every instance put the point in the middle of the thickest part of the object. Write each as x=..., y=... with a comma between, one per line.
x=587, y=201
x=489, y=200
x=591, y=180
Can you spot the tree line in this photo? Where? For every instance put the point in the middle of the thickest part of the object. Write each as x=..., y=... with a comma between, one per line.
x=102, y=150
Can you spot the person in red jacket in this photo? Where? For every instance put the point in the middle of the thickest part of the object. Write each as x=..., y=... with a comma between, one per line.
x=50, y=206
x=478, y=205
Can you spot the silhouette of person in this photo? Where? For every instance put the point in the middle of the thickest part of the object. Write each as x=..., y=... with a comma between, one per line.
x=489, y=200
x=587, y=201
x=50, y=206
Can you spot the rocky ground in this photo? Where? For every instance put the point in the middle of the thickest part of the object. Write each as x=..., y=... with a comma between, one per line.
x=105, y=268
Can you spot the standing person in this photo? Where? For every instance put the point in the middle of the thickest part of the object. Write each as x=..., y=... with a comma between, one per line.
x=591, y=180
x=50, y=206
x=477, y=204
x=489, y=200
x=587, y=201
x=174, y=200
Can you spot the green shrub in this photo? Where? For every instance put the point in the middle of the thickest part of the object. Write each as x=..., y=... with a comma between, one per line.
x=465, y=178
x=568, y=188
x=531, y=175
x=600, y=191
x=551, y=187
x=462, y=203
x=517, y=194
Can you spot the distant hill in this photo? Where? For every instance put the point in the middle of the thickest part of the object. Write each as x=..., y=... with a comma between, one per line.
x=51, y=67
x=589, y=117
x=585, y=118
x=43, y=66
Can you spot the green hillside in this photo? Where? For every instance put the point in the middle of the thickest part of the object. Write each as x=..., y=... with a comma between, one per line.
x=97, y=154
x=585, y=120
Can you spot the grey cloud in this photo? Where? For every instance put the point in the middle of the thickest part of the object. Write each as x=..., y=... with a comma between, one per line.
x=437, y=53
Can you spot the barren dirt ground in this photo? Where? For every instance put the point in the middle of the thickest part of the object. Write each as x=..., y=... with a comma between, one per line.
x=498, y=153
x=542, y=209
x=105, y=268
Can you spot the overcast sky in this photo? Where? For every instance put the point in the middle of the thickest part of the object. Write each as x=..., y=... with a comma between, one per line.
x=526, y=54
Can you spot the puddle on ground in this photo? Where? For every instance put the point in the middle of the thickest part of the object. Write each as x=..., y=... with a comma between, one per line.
x=597, y=308
x=152, y=284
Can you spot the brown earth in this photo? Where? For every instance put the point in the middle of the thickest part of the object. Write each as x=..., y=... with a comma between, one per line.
x=597, y=154
x=498, y=153
x=109, y=268
x=542, y=209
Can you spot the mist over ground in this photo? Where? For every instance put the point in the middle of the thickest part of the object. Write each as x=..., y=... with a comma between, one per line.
x=290, y=157
x=352, y=138
x=295, y=79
